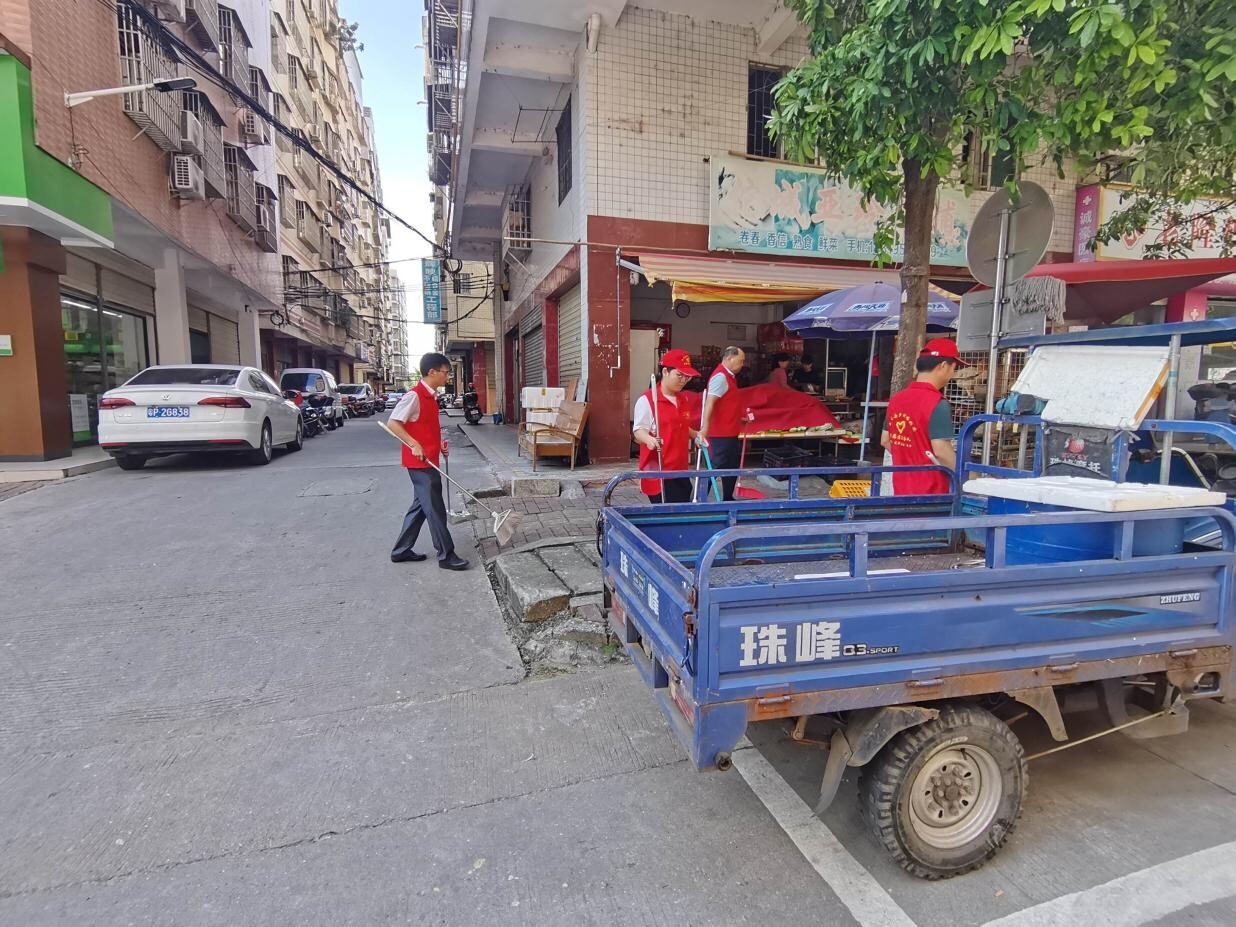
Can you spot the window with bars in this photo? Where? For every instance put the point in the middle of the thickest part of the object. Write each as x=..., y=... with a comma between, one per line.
x=563, y=137
x=143, y=59
x=233, y=47
x=241, y=195
x=990, y=168
x=760, y=83
x=212, y=159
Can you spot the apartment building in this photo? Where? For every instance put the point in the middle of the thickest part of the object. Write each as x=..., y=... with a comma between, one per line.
x=333, y=240
x=611, y=161
x=465, y=324
x=144, y=223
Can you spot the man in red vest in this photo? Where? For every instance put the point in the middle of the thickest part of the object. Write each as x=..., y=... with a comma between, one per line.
x=415, y=418
x=724, y=417
x=669, y=411
x=918, y=430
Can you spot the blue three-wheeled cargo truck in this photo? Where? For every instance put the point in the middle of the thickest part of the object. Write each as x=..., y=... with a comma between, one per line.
x=911, y=629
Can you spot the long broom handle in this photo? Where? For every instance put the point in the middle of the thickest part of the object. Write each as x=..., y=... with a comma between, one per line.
x=446, y=476
x=656, y=420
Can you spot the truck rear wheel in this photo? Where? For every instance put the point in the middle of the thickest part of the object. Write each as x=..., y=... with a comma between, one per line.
x=943, y=797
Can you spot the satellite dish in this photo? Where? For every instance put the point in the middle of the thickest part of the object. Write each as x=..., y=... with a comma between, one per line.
x=1030, y=226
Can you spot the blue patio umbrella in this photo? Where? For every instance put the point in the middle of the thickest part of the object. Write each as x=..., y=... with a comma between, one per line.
x=865, y=310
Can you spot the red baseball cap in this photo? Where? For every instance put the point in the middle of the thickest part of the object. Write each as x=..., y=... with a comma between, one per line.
x=943, y=347
x=678, y=359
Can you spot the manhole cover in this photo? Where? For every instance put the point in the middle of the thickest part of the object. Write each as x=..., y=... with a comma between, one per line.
x=337, y=487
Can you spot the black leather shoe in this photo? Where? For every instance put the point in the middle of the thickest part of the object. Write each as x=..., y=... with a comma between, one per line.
x=453, y=563
x=410, y=557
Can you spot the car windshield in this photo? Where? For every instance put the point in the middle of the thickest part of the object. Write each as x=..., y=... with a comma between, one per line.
x=191, y=376
x=351, y=390
x=304, y=382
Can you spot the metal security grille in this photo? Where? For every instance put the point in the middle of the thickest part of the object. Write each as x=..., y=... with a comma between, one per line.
x=760, y=83
x=233, y=47
x=241, y=195
x=570, y=340
x=967, y=396
x=143, y=60
x=213, y=164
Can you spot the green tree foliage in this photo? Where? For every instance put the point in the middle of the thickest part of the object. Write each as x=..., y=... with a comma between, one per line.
x=893, y=90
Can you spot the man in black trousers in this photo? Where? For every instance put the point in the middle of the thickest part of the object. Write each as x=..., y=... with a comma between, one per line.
x=415, y=419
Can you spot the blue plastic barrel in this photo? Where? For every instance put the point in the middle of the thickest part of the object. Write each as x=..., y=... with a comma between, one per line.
x=1065, y=543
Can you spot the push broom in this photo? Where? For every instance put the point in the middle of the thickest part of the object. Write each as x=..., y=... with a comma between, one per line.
x=504, y=524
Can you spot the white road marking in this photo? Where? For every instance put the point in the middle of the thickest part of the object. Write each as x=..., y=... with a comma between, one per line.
x=1139, y=897
x=857, y=888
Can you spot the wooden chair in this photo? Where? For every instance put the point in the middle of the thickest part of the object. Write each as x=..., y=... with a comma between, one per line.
x=561, y=439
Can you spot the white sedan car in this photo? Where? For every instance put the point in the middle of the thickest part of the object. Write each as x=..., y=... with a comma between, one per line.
x=194, y=408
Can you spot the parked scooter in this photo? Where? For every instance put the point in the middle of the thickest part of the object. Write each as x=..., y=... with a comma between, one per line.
x=312, y=412
x=472, y=406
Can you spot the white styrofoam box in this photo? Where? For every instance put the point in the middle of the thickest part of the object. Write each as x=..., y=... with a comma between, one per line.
x=542, y=397
x=540, y=418
x=1079, y=492
x=1101, y=386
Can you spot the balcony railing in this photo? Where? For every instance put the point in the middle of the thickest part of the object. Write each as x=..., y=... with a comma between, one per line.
x=203, y=20
x=143, y=60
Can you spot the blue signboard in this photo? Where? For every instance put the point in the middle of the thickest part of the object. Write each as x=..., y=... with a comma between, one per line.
x=431, y=287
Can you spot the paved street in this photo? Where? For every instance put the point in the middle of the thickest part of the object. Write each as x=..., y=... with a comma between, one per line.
x=222, y=704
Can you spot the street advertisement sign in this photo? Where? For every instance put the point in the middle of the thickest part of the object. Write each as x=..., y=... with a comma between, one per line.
x=771, y=208
x=431, y=288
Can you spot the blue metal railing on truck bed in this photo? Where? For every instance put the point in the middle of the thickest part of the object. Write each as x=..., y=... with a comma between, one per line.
x=722, y=654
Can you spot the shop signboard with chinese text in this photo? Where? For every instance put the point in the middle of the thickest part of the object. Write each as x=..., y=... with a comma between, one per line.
x=1204, y=222
x=431, y=289
x=787, y=209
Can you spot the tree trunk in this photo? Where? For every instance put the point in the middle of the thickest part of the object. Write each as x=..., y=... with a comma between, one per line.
x=920, y=206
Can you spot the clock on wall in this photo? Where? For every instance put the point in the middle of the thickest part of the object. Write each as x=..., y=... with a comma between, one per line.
x=682, y=308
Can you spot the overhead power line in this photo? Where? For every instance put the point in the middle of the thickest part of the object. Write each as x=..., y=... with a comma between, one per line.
x=195, y=59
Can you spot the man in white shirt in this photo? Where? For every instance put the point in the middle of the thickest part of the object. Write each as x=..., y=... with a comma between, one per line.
x=724, y=418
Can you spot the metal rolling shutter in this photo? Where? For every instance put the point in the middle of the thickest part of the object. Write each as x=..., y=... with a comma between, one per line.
x=532, y=335
x=79, y=274
x=570, y=317
x=126, y=292
x=224, y=341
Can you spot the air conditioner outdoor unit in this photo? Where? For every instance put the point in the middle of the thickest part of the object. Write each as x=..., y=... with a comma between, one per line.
x=255, y=127
x=263, y=217
x=173, y=10
x=187, y=180
x=314, y=131
x=191, y=134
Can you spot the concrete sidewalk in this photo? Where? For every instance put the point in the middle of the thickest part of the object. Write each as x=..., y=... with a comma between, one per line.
x=83, y=460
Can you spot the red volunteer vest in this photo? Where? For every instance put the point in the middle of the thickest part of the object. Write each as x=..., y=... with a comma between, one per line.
x=909, y=413
x=675, y=422
x=426, y=429
x=726, y=419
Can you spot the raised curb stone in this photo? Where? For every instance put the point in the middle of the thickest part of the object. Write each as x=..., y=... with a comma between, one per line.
x=572, y=568
x=535, y=592
x=524, y=486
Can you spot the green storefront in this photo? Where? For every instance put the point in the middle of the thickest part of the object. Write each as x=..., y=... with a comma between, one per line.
x=56, y=346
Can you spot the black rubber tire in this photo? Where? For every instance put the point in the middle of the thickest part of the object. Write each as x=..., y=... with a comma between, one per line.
x=331, y=424
x=884, y=790
x=131, y=462
x=264, y=453
x=298, y=442
x=342, y=420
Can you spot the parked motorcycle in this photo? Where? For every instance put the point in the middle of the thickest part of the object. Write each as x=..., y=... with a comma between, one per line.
x=312, y=411
x=443, y=402
x=472, y=406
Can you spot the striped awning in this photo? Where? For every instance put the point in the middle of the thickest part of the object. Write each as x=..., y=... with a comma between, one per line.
x=732, y=280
